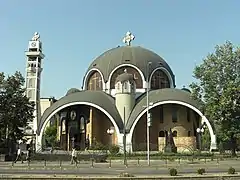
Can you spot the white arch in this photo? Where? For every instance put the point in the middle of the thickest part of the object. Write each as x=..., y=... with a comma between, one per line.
x=166, y=72
x=122, y=65
x=204, y=119
x=88, y=75
x=39, y=139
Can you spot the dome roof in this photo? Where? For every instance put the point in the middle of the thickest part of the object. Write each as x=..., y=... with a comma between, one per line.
x=134, y=55
x=124, y=77
x=72, y=90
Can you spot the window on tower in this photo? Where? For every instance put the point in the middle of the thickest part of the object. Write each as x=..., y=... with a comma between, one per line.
x=30, y=95
x=31, y=82
x=126, y=85
x=118, y=86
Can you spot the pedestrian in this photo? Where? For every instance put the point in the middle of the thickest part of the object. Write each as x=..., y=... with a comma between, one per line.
x=87, y=143
x=74, y=156
x=19, y=155
x=28, y=154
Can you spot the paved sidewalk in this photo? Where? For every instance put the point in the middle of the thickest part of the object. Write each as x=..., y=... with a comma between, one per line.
x=157, y=168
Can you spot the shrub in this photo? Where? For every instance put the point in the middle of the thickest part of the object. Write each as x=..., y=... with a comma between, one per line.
x=231, y=170
x=201, y=171
x=125, y=174
x=173, y=172
x=114, y=149
x=98, y=146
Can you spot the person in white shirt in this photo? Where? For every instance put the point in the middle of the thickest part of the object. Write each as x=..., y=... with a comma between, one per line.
x=74, y=156
x=19, y=155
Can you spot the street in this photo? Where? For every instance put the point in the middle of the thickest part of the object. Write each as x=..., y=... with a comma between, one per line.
x=114, y=168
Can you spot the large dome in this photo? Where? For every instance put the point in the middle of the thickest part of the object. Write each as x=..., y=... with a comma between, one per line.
x=134, y=55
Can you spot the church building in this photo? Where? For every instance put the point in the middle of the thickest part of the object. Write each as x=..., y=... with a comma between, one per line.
x=128, y=94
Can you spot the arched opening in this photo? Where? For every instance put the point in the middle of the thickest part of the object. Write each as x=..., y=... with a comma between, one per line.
x=31, y=82
x=130, y=70
x=161, y=122
x=31, y=94
x=161, y=134
x=159, y=80
x=78, y=123
x=95, y=81
x=174, y=134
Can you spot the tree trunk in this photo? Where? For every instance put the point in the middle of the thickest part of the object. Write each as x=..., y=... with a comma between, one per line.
x=233, y=146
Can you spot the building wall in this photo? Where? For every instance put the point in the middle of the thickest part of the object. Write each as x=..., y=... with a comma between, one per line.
x=44, y=104
x=98, y=126
x=163, y=120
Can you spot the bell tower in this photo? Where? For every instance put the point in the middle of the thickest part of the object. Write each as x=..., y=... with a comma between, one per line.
x=33, y=76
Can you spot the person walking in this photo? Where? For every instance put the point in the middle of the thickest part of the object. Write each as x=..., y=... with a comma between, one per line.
x=74, y=156
x=28, y=154
x=87, y=143
x=19, y=155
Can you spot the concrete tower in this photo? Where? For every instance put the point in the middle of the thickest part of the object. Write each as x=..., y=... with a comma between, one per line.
x=33, y=76
x=125, y=94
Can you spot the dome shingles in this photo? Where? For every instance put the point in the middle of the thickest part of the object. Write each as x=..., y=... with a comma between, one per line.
x=99, y=98
x=134, y=55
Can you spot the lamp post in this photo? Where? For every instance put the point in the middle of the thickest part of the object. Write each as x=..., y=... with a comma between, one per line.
x=124, y=138
x=73, y=142
x=148, y=115
x=200, y=130
x=110, y=131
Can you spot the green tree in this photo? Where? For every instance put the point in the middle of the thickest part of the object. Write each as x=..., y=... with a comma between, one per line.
x=15, y=109
x=51, y=135
x=218, y=87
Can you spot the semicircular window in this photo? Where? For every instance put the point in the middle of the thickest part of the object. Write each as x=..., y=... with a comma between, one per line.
x=159, y=80
x=95, y=82
x=130, y=70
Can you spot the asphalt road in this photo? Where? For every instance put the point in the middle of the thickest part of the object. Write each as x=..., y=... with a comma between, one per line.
x=102, y=169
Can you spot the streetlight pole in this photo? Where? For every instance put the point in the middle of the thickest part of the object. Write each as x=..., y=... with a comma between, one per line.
x=200, y=130
x=148, y=117
x=124, y=137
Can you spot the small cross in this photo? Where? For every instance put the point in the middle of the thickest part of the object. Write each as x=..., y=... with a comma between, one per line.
x=128, y=38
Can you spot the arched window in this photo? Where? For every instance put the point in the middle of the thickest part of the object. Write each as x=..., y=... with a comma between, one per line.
x=159, y=80
x=118, y=86
x=174, y=113
x=31, y=94
x=174, y=133
x=95, y=82
x=125, y=85
x=161, y=134
x=130, y=70
x=188, y=114
x=31, y=82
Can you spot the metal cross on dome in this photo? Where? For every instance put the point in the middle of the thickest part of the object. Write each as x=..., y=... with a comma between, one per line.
x=128, y=38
